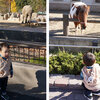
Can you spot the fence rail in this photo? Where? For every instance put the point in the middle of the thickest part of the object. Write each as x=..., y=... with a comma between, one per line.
x=61, y=19
x=74, y=46
x=93, y=48
x=27, y=52
x=66, y=20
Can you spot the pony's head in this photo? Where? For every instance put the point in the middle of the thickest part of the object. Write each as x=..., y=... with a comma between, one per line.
x=82, y=14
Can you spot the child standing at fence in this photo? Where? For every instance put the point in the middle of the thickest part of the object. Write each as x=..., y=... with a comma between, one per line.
x=91, y=76
x=5, y=69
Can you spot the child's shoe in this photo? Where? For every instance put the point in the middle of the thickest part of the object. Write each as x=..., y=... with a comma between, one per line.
x=88, y=97
x=96, y=93
x=4, y=96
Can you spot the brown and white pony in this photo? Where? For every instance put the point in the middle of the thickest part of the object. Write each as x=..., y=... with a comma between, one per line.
x=79, y=11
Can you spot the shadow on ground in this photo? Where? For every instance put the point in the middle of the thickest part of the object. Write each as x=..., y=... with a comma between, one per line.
x=69, y=94
x=72, y=30
x=53, y=32
x=38, y=92
x=17, y=96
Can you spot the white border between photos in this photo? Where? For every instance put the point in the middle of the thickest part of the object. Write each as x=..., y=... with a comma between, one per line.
x=47, y=50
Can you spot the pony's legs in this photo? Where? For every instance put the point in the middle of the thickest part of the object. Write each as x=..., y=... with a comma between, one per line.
x=79, y=26
x=81, y=32
x=29, y=18
x=75, y=30
x=22, y=18
x=76, y=26
x=25, y=20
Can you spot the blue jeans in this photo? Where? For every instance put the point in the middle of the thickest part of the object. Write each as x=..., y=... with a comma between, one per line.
x=88, y=92
x=3, y=84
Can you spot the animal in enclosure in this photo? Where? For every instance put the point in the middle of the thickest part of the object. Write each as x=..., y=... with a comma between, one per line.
x=5, y=17
x=1, y=16
x=79, y=11
x=26, y=14
x=34, y=16
x=9, y=14
x=13, y=17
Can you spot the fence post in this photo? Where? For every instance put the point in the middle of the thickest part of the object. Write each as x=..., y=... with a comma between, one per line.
x=65, y=24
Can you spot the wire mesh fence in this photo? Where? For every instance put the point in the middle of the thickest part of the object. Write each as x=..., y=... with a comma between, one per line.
x=27, y=53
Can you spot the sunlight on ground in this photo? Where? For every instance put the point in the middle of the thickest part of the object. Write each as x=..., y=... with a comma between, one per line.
x=56, y=27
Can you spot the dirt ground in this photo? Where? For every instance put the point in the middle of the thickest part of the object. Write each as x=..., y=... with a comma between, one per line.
x=56, y=27
x=16, y=25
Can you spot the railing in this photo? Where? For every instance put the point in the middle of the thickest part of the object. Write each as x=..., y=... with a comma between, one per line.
x=74, y=46
x=93, y=48
x=32, y=53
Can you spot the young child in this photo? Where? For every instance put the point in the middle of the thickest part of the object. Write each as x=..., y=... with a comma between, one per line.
x=5, y=69
x=91, y=76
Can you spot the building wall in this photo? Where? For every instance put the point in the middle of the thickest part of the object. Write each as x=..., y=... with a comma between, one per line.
x=65, y=4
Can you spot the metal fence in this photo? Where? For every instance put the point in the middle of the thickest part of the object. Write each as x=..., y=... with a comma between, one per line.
x=33, y=53
x=74, y=48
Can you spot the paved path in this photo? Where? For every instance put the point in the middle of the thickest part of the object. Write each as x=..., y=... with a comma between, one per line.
x=65, y=81
x=16, y=96
x=68, y=94
x=28, y=80
x=66, y=87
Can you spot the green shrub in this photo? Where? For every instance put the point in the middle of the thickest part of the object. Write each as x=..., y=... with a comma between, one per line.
x=97, y=54
x=37, y=5
x=38, y=61
x=41, y=61
x=68, y=63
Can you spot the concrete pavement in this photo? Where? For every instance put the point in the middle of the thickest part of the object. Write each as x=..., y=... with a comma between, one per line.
x=65, y=81
x=68, y=94
x=28, y=80
x=16, y=96
x=66, y=87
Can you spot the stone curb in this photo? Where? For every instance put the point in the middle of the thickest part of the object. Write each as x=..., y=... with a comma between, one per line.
x=65, y=81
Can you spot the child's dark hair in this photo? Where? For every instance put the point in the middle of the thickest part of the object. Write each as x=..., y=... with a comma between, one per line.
x=89, y=59
x=4, y=45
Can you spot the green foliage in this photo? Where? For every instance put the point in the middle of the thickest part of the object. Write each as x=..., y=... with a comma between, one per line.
x=97, y=54
x=37, y=5
x=40, y=61
x=21, y=3
x=68, y=63
x=4, y=6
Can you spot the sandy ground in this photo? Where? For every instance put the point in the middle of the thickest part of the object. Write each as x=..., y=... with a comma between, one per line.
x=56, y=27
x=16, y=25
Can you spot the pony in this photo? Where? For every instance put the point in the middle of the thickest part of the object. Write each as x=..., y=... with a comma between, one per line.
x=79, y=11
x=26, y=14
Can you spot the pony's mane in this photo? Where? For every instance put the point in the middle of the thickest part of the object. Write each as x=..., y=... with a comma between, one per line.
x=82, y=9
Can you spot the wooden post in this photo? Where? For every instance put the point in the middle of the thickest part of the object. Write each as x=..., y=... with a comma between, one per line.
x=65, y=24
x=9, y=6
